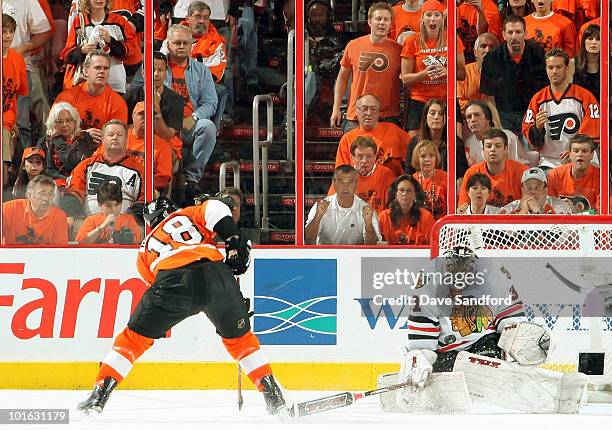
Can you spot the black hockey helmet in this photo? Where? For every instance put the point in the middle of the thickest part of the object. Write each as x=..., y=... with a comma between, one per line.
x=460, y=259
x=157, y=210
x=222, y=197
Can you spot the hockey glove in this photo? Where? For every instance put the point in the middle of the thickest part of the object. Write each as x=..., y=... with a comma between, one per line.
x=238, y=254
x=526, y=342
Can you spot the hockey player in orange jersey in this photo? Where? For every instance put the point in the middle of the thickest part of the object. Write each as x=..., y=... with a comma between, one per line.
x=188, y=275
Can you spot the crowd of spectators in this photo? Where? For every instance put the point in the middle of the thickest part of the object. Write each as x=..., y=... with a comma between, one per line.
x=73, y=147
x=528, y=118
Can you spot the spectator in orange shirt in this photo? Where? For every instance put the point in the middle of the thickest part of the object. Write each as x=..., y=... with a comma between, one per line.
x=109, y=225
x=469, y=88
x=390, y=139
x=505, y=174
x=34, y=220
x=471, y=21
x=373, y=64
x=32, y=165
x=373, y=179
x=95, y=100
x=162, y=153
x=14, y=83
x=406, y=221
x=425, y=158
x=424, y=59
x=550, y=29
x=432, y=127
x=577, y=180
x=406, y=20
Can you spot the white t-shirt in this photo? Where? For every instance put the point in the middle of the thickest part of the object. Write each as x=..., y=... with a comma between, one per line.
x=342, y=226
x=30, y=18
x=473, y=149
x=489, y=210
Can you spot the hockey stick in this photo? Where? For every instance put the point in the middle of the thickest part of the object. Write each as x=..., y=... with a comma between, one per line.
x=240, y=399
x=341, y=400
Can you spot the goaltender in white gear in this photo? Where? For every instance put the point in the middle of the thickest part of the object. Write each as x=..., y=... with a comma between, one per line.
x=469, y=328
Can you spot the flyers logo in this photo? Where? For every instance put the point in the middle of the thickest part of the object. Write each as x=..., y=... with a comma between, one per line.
x=373, y=60
x=567, y=123
x=433, y=59
x=96, y=179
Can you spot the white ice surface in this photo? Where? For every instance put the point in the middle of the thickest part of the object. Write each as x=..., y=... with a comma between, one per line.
x=151, y=410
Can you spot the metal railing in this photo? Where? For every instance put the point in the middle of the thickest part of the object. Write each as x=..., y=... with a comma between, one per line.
x=235, y=166
x=261, y=163
x=290, y=93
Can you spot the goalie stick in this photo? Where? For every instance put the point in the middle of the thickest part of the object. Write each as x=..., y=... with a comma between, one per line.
x=340, y=400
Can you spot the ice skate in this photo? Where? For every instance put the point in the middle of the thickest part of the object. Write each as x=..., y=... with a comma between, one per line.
x=276, y=400
x=98, y=398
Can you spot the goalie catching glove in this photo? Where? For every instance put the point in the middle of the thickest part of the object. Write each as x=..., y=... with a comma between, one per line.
x=526, y=342
x=238, y=254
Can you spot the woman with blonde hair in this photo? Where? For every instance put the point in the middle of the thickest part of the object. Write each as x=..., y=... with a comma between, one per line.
x=424, y=61
x=425, y=159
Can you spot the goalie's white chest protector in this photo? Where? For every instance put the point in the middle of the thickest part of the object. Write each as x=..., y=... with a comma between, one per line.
x=444, y=321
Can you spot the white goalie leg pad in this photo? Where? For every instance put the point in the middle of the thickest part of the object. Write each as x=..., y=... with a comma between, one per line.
x=445, y=393
x=528, y=389
x=526, y=342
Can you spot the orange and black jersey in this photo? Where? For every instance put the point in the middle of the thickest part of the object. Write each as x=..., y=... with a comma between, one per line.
x=184, y=237
x=574, y=111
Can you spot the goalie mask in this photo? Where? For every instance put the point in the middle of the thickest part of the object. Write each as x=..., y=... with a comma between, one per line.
x=157, y=210
x=460, y=259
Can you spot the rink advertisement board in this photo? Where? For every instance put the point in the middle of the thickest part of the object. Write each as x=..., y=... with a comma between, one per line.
x=327, y=319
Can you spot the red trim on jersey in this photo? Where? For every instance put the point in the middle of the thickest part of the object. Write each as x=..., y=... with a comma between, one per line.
x=430, y=330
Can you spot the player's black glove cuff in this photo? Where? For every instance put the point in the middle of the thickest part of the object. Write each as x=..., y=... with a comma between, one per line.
x=238, y=254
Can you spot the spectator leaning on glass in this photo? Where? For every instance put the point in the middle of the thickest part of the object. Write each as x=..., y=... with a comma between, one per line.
x=342, y=218
x=34, y=220
x=535, y=198
x=479, y=190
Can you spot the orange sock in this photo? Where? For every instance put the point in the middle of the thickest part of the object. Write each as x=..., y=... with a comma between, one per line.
x=248, y=354
x=128, y=347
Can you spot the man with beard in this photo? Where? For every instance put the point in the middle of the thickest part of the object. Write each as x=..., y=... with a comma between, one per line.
x=512, y=73
x=558, y=112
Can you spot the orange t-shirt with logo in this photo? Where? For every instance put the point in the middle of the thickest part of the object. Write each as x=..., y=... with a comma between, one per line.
x=92, y=222
x=505, y=187
x=14, y=83
x=180, y=86
x=95, y=111
x=435, y=191
x=374, y=188
x=561, y=183
x=554, y=31
x=406, y=234
x=430, y=87
x=390, y=140
x=376, y=68
x=20, y=226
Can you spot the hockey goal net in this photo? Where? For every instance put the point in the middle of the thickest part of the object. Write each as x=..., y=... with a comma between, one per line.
x=583, y=244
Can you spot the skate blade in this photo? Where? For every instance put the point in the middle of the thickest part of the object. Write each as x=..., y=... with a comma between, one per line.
x=89, y=414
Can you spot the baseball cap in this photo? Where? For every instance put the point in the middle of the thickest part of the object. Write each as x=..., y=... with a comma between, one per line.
x=534, y=173
x=28, y=152
x=140, y=107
